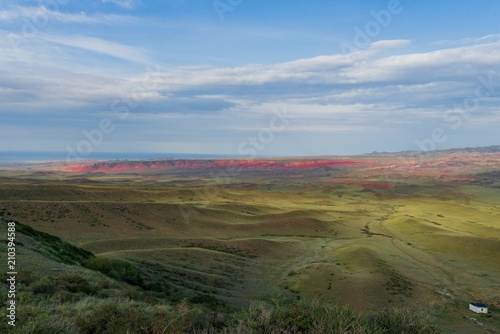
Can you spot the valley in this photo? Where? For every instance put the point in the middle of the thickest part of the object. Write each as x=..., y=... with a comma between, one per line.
x=370, y=232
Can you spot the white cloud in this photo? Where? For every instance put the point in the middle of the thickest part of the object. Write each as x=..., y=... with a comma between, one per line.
x=390, y=44
x=452, y=64
x=470, y=40
x=446, y=63
x=366, y=89
x=127, y=4
x=102, y=46
x=7, y=15
x=41, y=16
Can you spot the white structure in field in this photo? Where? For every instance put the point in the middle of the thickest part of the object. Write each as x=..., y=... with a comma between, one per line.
x=478, y=308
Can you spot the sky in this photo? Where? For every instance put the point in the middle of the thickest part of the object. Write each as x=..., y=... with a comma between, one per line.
x=248, y=77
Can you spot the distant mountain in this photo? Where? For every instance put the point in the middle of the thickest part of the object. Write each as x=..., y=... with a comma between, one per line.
x=483, y=149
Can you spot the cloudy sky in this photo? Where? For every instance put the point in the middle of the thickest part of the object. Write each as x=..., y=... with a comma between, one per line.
x=248, y=77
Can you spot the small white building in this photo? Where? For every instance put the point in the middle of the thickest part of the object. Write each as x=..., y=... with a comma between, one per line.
x=478, y=307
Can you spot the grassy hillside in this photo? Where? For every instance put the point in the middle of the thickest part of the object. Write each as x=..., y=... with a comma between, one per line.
x=73, y=291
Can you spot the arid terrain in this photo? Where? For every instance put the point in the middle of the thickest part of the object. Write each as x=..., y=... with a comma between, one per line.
x=370, y=232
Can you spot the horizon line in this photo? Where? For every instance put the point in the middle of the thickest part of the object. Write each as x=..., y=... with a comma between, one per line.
x=17, y=156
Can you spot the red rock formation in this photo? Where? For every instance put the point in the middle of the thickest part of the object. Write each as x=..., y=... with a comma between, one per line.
x=207, y=164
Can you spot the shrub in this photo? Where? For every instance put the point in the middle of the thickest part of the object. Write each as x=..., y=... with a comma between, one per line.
x=117, y=269
x=316, y=318
x=76, y=284
x=402, y=321
x=49, y=324
x=24, y=276
x=111, y=316
x=105, y=284
x=68, y=282
x=297, y=317
x=207, y=300
x=46, y=284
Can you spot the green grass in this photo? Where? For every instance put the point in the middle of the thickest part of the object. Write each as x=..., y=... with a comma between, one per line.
x=79, y=302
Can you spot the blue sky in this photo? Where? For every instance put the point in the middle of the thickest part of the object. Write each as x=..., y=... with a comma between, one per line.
x=248, y=77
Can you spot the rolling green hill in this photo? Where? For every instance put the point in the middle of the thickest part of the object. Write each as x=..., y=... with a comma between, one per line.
x=65, y=289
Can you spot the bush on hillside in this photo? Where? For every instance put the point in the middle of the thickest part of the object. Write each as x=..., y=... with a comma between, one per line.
x=117, y=269
x=316, y=318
